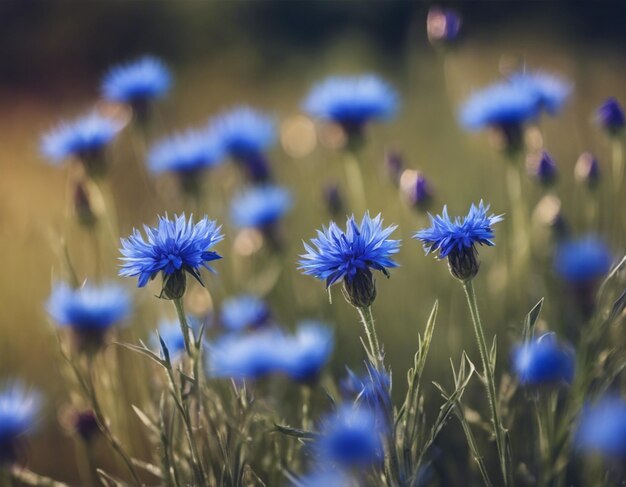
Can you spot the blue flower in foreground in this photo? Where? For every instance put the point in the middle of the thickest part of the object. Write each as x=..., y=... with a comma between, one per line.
x=611, y=116
x=349, y=438
x=350, y=256
x=137, y=82
x=551, y=92
x=171, y=248
x=18, y=413
x=244, y=132
x=582, y=261
x=83, y=138
x=351, y=101
x=602, y=428
x=332, y=478
x=188, y=152
x=457, y=239
x=260, y=207
x=544, y=361
x=306, y=352
x=244, y=312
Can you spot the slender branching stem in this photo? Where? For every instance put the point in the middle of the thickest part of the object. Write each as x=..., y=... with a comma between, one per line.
x=184, y=326
x=370, y=332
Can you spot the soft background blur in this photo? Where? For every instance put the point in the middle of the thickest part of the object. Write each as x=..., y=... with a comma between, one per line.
x=268, y=54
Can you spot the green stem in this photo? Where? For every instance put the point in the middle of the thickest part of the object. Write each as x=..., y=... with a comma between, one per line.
x=184, y=326
x=618, y=163
x=488, y=371
x=354, y=179
x=370, y=332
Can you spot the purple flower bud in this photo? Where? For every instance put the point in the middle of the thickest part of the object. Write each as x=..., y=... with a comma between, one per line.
x=416, y=189
x=545, y=169
x=442, y=25
x=587, y=170
x=610, y=116
x=333, y=199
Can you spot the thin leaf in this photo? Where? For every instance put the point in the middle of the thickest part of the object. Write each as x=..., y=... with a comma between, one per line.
x=530, y=321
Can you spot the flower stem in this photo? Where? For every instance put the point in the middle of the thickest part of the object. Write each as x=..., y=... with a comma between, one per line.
x=355, y=181
x=184, y=326
x=488, y=371
x=370, y=332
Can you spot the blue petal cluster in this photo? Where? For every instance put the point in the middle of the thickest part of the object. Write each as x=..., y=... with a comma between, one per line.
x=89, y=308
x=583, y=260
x=139, y=81
x=544, y=361
x=307, y=352
x=244, y=312
x=335, y=255
x=186, y=152
x=611, y=115
x=373, y=390
x=83, y=137
x=450, y=236
x=349, y=438
x=351, y=100
x=260, y=207
x=18, y=414
x=244, y=132
x=602, y=428
x=551, y=92
x=172, y=246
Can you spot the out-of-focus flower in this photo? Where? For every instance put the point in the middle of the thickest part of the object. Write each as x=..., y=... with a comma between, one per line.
x=350, y=256
x=18, y=413
x=544, y=361
x=550, y=91
x=373, y=390
x=349, y=438
x=83, y=139
x=89, y=311
x=582, y=261
x=587, y=170
x=416, y=189
x=137, y=83
x=544, y=169
x=610, y=116
x=172, y=248
x=307, y=352
x=394, y=164
x=351, y=101
x=602, y=429
x=442, y=25
x=457, y=239
x=324, y=478
x=333, y=199
x=244, y=312
x=260, y=207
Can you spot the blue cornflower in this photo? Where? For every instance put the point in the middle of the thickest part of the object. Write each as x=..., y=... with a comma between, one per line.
x=610, y=116
x=260, y=207
x=373, y=390
x=602, y=428
x=137, y=82
x=349, y=438
x=582, y=261
x=456, y=239
x=545, y=169
x=84, y=138
x=543, y=361
x=551, y=92
x=171, y=248
x=306, y=352
x=90, y=311
x=244, y=312
x=351, y=255
x=185, y=153
x=18, y=412
x=351, y=101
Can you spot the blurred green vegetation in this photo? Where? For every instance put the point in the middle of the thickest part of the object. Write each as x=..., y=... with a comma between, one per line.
x=267, y=54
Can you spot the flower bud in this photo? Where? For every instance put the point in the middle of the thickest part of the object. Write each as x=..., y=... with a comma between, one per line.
x=587, y=170
x=174, y=285
x=544, y=169
x=360, y=291
x=416, y=189
x=332, y=198
x=610, y=116
x=442, y=25
x=464, y=264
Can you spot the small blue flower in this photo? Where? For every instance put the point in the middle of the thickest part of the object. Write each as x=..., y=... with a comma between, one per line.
x=340, y=255
x=82, y=138
x=244, y=132
x=306, y=352
x=323, y=478
x=187, y=152
x=602, y=428
x=351, y=101
x=543, y=361
x=582, y=261
x=349, y=438
x=18, y=412
x=89, y=308
x=610, y=115
x=551, y=92
x=139, y=81
x=171, y=248
x=260, y=207
x=546, y=170
x=244, y=312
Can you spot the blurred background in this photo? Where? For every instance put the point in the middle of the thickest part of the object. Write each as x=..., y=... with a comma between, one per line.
x=268, y=54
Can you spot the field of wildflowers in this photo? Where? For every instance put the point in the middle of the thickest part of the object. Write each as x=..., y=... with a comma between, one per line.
x=273, y=286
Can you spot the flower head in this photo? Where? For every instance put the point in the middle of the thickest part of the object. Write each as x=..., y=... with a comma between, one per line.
x=457, y=239
x=350, y=256
x=18, y=412
x=260, y=207
x=582, y=261
x=602, y=428
x=187, y=152
x=610, y=116
x=543, y=361
x=551, y=92
x=244, y=312
x=171, y=248
x=306, y=352
x=244, y=132
x=349, y=438
x=84, y=139
x=89, y=311
x=351, y=101
x=137, y=82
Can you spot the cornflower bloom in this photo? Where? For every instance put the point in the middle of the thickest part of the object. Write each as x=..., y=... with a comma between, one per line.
x=18, y=413
x=543, y=361
x=602, y=429
x=244, y=312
